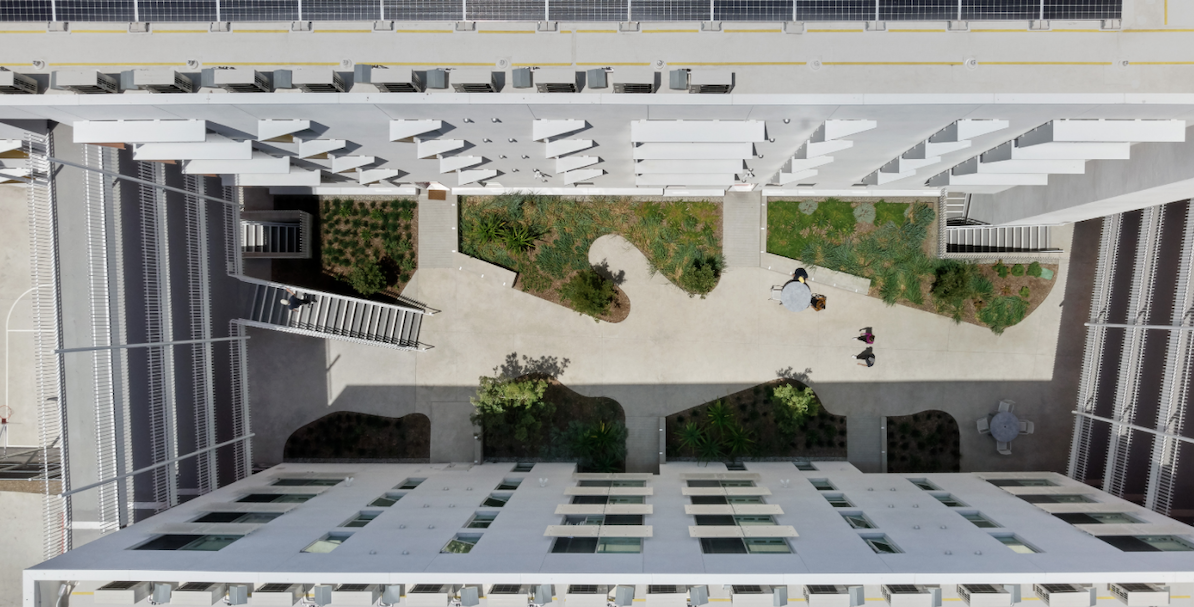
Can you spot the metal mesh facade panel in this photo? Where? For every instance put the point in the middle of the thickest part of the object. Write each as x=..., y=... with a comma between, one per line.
x=341, y=10
x=752, y=10
x=1083, y=9
x=505, y=10
x=176, y=10
x=588, y=10
x=669, y=10
x=425, y=10
x=95, y=10
x=917, y=10
x=259, y=10
x=1010, y=10
x=25, y=10
x=835, y=10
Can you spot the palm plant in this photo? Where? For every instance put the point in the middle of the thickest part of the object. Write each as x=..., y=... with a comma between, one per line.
x=738, y=440
x=720, y=417
x=709, y=450
x=690, y=436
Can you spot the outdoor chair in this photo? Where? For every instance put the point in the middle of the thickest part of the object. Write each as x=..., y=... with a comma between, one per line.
x=1007, y=405
x=1026, y=427
x=983, y=426
x=1002, y=448
x=775, y=292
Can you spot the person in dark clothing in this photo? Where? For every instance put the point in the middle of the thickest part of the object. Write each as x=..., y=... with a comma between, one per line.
x=800, y=274
x=295, y=302
x=866, y=359
x=865, y=336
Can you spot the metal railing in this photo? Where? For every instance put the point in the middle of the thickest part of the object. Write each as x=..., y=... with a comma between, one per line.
x=199, y=301
x=1092, y=359
x=241, y=424
x=47, y=337
x=106, y=456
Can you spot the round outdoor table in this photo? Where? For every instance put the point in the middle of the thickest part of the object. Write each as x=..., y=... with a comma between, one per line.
x=796, y=296
x=1004, y=426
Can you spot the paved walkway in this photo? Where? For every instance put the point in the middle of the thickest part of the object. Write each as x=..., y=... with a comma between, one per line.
x=437, y=232
x=740, y=233
x=676, y=351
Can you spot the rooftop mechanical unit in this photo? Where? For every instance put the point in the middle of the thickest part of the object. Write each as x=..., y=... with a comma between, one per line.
x=236, y=80
x=1140, y=595
x=557, y=81
x=586, y=595
x=12, y=83
x=1065, y=595
x=522, y=78
x=749, y=595
x=508, y=595
x=597, y=78
x=666, y=596
x=715, y=82
x=390, y=80
x=121, y=593
x=156, y=81
x=833, y=596
x=278, y=595
x=84, y=82
x=908, y=595
x=359, y=595
x=199, y=594
x=310, y=80
x=636, y=81
x=474, y=81
x=430, y=595
x=984, y=595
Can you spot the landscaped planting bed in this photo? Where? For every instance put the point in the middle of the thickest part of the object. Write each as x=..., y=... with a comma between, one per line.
x=546, y=239
x=923, y=442
x=890, y=243
x=370, y=244
x=359, y=436
x=754, y=424
x=535, y=417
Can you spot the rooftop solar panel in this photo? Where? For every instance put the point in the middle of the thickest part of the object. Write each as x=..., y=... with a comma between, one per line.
x=752, y=10
x=259, y=10
x=176, y=10
x=669, y=10
x=505, y=10
x=1001, y=10
x=95, y=10
x=918, y=10
x=341, y=10
x=25, y=10
x=425, y=10
x=835, y=10
x=588, y=10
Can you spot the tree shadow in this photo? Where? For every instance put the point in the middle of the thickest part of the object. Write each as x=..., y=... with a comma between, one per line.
x=790, y=373
x=550, y=366
x=604, y=270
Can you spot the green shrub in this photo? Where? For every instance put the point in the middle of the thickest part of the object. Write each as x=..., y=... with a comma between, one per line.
x=982, y=287
x=1003, y=312
x=954, y=281
x=701, y=275
x=1000, y=269
x=366, y=277
x=794, y=407
x=865, y=213
x=589, y=292
x=511, y=405
x=1034, y=269
x=1018, y=270
x=1024, y=292
x=519, y=238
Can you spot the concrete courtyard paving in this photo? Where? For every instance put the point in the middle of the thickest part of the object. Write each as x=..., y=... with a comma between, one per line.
x=674, y=352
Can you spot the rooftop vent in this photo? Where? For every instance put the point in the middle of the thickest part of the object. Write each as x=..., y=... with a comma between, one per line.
x=310, y=80
x=597, y=78
x=1065, y=595
x=12, y=83
x=522, y=78
x=156, y=81
x=200, y=594
x=390, y=80
x=833, y=596
x=474, y=81
x=277, y=595
x=1141, y=595
x=984, y=595
x=84, y=82
x=635, y=81
x=714, y=82
x=361, y=595
x=236, y=80
x=557, y=81
x=908, y=595
x=121, y=593
x=437, y=79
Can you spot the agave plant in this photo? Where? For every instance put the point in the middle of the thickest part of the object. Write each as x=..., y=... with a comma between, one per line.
x=738, y=440
x=690, y=436
x=719, y=415
x=519, y=238
x=709, y=450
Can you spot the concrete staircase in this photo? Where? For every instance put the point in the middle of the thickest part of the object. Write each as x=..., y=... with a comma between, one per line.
x=335, y=317
x=996, y=239
x=275, y=234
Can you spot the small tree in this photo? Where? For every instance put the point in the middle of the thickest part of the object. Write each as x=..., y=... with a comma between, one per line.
x=366, y=277
x=519, y=402
x=1034, y=269
x=589, y=292
x=796, y=406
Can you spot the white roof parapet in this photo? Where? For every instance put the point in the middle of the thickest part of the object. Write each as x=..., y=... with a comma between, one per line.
x=140, y=131
x=215, y=147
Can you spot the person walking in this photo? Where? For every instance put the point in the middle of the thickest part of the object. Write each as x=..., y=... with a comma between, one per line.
x=866, y=358
x=295, y=302
x=865, y=336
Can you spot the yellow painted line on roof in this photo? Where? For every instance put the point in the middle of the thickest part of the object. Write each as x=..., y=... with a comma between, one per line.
x=179, y=31
x=236, y=31
x=105, y=63
x=422, y=31
x=537, y=64
x=891, y=63
x=505, y=31
x=754, y=31
x=596, y=31
x=565, y=31
x=1086, y=31
x=611, y=64
x=82, y=593
x=987, y=31
x=487, y=64
x=835, y=31
x=928, y=31
x=1044, y=63
x=100, y=31
x=23, y=32
x=343, y=31
x=743, y=63
x=671, y=31
x=1159, y=31
x=279, y=63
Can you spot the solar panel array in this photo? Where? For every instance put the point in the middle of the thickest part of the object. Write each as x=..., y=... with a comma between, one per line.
x=557, y=10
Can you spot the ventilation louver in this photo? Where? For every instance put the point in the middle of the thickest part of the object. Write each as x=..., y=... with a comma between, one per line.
x=84, y=82
x=236, y=80
x=12, y=83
